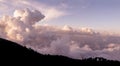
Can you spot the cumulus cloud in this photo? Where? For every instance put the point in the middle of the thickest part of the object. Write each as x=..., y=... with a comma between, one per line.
x=51, y=12
x=81, y=43
x=15, y=26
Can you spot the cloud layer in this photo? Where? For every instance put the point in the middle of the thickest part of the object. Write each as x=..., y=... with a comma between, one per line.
x=67, y=41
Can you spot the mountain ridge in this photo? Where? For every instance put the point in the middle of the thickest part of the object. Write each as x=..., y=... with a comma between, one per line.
x=11, y=52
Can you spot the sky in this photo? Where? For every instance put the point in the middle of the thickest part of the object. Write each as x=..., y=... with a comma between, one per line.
x=55, y=26
x=96, y=14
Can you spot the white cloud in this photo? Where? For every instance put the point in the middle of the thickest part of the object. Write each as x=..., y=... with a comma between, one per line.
x=51, y=12
x=22, y=20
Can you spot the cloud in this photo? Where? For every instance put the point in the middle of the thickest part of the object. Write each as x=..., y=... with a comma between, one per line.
x=51, y=12
x=75, y=43
x=21, y=22
x=28, y=16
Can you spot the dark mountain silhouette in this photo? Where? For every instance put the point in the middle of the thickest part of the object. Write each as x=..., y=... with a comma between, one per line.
x=12, y=53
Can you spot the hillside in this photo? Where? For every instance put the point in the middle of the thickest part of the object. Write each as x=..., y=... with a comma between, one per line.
x=12, y=53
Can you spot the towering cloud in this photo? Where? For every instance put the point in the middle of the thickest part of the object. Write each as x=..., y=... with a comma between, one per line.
x=51, y=12
x=67, y=41
x=28, y=17
x=17, y=26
